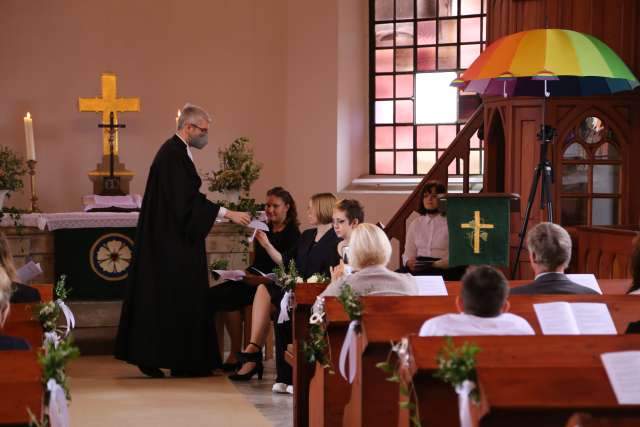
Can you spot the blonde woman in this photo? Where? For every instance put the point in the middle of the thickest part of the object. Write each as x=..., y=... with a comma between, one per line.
x=369, y=254
x=7, y=342
x=19, y=293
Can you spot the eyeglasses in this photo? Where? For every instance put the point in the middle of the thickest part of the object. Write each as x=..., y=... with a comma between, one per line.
x=203, y=130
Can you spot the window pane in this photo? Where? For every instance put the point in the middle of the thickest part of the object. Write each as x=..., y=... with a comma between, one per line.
x=404, y=111
x=404, y=86
x=404, y=34
x=604, y=212
x=575, y=151
x=426, y=58
x=384, y=87
x=467, y=105
x=435, y=99
x=384, y=10
x=446, y=134
x=384, y=162
x=404, y=162
x=427, y=32
x=574, y=211
x=575, y=178
x=448, y=31
x=453, y=166
x=607, y=152
x=404, y=59
x=447, y=57
x=606, y=178
x=426, y=8
x=404, y=9
x=426, y=160
x=384, y=60
x=448, y=7
x=470, y=7
x=384, y=35
x=404, y=137
x=468, y=54
x=475, y=165
x=384, y=137
x=426, y=137
x=591, y=130
x=474, y=141
x=384, y=112
x=470, y=30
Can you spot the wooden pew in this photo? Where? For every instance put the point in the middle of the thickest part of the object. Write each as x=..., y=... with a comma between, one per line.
x=582, y=419
x=550, y=376
x=46, y=291
x=22, y=323
x=388, y=319
x=21, y=385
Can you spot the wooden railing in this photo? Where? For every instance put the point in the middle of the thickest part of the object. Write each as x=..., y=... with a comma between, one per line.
x=458, y=149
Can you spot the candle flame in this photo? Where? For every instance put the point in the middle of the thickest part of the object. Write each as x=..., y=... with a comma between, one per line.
x=28, y=115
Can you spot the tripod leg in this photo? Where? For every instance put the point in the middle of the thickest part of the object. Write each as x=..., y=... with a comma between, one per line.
x=546, y=187
x=523, y=227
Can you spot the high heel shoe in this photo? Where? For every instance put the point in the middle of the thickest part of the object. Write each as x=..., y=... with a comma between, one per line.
x=231, y=367
x=246, y=358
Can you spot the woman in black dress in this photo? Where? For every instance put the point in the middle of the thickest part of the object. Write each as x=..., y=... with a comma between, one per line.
x=316, y=253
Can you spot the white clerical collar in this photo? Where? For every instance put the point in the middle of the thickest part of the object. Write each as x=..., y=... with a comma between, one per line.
x=187, y=145
x=544, y=273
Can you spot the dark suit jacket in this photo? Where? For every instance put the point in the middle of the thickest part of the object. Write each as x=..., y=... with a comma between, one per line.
x=552, y=283
x=23, y=293
x=12, y=343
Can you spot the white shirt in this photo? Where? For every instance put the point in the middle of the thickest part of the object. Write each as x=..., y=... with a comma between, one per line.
x=222, y=211
x=636, y=292
x=466, y=324
x=428, y=236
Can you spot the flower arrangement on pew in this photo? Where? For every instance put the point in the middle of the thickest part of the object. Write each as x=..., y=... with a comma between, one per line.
x=457, y=366
x=58, y=349
x=316, y=348
x=352, y=305
x=398, y=356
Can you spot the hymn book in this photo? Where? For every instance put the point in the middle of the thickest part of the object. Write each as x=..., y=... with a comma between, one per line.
x=29, y=271
x=578, y=318
x=623, y=370
x=431, y=285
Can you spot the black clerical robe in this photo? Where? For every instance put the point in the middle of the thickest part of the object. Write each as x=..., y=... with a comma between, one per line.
x=164, y=321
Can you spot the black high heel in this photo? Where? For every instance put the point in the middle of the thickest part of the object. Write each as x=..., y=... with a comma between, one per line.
x=231, y=367
x=246, y=358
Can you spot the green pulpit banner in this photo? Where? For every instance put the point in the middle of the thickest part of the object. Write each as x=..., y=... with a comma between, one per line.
x=478, y=229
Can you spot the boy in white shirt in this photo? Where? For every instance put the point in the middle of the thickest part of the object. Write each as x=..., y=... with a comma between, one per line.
x=483, y=309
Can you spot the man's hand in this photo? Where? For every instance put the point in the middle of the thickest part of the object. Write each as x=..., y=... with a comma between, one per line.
x=411, y=264
x=337, y=271
x=241, y=218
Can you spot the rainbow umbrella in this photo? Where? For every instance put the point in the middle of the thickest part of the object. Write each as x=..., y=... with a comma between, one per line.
x=549, y=61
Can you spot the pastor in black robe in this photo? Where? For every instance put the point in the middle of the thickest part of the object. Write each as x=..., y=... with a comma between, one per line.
x=164, y=321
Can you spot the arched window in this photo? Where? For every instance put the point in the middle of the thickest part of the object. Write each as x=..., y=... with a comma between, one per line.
x=591, y=169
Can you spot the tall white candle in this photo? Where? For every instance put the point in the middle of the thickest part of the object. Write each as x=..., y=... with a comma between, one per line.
x=178, y=118
x=28, y=135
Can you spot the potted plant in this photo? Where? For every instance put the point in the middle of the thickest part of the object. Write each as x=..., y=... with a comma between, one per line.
x=238, y=171
x=12, y=169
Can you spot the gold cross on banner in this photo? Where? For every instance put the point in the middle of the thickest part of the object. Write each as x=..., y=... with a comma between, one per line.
x=107, y=104
x=477, y=226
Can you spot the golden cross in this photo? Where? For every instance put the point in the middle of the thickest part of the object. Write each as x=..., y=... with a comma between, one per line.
x=476, y=226
x=107, y=104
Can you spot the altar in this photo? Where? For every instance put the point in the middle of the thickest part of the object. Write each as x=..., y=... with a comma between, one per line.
x=94, y=249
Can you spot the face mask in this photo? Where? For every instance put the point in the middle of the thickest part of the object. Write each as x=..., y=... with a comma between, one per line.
x=199, y=141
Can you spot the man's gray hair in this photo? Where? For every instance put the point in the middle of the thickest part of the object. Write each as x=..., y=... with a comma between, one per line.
x=551, y=245
x=192, y=114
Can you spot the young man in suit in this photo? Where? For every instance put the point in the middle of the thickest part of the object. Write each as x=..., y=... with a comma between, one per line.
x=549, y=248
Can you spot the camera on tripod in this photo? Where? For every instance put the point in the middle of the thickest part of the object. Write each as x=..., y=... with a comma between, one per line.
x=546, y=134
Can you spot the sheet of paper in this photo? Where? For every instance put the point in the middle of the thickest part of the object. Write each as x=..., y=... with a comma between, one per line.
x=556, y=318
x=623, y=370
x=587, y=280
x=593, y=318
x=29, y=271
x=234, y=275
x=258, y=225
x=431, y=285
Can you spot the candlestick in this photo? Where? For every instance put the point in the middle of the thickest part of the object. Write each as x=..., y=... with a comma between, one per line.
x=178, y=118
x=31, y=164
x=28, y=135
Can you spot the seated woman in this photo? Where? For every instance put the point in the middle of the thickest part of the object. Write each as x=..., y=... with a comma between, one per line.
x=316, y=253
x=369, y=253
x=347, y=214
x=20, y=293
x=426, y=250
x=283, y=235
x=7, y=342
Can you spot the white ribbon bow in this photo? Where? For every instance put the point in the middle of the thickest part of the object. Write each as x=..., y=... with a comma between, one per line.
x=58, y=411
x=349, y=350
x=68, y=314
x=284, y=307
x=51, y=337
x=464, y=412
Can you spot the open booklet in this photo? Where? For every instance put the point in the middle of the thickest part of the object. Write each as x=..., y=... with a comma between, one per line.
x=431, y=285
x=254, y=270
x=578, y=318
x=623, y=370
x=29, y=271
